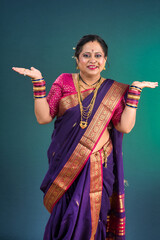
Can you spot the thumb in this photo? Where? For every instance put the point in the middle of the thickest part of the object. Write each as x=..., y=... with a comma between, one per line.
x=32, y=68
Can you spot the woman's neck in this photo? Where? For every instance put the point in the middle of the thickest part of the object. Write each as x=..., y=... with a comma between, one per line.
x=90, y=79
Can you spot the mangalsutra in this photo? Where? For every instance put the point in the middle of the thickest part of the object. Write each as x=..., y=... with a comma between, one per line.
x=87, y=111
x=87, y=83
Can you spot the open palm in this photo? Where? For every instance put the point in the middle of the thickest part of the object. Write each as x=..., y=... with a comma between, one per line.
x=32, y=72
x=145, y=84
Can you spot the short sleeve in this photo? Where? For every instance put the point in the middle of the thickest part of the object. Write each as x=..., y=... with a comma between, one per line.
x=118, y=112
x=54, y=96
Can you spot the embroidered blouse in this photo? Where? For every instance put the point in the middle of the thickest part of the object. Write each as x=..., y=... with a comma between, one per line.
x=64, y=86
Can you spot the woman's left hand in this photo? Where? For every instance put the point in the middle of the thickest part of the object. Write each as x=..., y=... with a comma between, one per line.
x=145, y=84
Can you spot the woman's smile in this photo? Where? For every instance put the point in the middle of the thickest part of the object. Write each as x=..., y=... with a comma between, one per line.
x=91, y=60
x=92, y=67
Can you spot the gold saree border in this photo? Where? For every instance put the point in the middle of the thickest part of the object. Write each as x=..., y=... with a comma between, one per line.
x=117, y=202
x=85, y=147
x=96, y=183
x=103, y=115
x=96, y=176
x=71, y=101
x=115, y=224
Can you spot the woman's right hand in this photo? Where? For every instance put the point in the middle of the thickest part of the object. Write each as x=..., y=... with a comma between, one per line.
x=32, y=72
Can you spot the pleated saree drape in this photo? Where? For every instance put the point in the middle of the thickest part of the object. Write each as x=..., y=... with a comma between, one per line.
x=85, y=198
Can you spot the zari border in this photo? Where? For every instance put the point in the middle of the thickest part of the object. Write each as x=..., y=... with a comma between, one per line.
x=96, y=176
x=115, y=223
x=71, y=101
x=85, y=147
x=96, y=183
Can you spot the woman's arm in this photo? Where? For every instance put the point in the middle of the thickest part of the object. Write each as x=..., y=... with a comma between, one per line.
x=42, y=111
x=41, y=106
x=128, y=116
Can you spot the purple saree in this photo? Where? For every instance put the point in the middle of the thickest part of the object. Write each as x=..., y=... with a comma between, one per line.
x=78, y=188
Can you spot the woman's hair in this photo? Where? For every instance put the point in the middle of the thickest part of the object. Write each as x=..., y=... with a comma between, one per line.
x=90, y=38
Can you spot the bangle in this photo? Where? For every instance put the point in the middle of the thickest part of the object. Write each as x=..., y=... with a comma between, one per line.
x=131, y=105
x=36, y=80
x=39, y=88
x=133, y=96
x=136, y=88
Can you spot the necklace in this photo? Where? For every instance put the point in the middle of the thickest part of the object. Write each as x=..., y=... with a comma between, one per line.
x=87, y=111
x=87, y=83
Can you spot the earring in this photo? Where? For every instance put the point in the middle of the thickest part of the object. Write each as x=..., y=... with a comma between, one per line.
x=77, y=67
x=104, y=68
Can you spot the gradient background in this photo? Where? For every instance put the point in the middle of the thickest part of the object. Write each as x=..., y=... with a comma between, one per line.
x=42, y=34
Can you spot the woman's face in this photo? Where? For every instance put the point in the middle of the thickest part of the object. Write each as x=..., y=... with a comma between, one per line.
x=91, y=60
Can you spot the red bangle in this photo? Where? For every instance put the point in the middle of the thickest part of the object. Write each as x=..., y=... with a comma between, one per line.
x=133, y=96
x=39, y=88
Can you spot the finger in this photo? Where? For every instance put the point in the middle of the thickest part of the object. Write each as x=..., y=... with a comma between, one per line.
x=19, y=70
x=150, y=84
x=145, y=84
x=32, y=68
x=35, y=70
x=23, y=71
x=27, y=72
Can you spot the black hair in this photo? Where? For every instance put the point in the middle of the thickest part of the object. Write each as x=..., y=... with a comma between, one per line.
x=90, y=38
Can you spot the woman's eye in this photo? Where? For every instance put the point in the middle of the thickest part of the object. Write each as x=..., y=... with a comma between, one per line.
x=86, y=55
x=98, y=55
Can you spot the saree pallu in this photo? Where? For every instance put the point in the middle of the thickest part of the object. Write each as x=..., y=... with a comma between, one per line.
x=77, y=186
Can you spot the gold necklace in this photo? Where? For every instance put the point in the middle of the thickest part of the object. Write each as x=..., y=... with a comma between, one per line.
x=87, y=111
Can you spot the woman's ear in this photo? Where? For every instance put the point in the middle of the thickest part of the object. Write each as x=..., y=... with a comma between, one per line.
x=76, y=60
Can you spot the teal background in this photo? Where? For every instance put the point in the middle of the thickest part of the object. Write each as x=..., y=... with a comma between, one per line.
x=42, y=34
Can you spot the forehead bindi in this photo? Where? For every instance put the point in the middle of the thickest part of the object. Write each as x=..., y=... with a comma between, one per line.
x=92, y=47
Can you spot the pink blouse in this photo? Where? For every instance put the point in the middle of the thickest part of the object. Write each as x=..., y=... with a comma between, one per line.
x=64, y=86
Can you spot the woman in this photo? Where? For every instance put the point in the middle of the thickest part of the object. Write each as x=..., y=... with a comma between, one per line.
x=84, y=186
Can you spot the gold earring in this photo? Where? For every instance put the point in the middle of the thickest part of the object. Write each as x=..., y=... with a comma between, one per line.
x=104, y=68
x=77, y=67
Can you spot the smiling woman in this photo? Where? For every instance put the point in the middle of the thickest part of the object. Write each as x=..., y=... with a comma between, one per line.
x=91, y=55
x=91, y=61
x=84, y=186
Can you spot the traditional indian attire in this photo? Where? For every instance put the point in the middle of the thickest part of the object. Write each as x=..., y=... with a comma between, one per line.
x=84, y=190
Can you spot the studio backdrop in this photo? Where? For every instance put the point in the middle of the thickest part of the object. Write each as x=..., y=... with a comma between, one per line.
x=42, y=34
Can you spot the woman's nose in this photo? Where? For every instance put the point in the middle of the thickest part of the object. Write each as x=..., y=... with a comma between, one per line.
x=92, y=59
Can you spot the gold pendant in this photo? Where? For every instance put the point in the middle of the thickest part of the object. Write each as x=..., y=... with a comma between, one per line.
x=83, y=124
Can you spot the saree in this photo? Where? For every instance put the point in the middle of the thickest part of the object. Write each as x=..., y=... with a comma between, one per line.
x=85, y=198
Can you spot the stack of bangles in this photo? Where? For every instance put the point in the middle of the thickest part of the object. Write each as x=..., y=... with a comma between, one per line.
x=39, y=88
x=133, y=96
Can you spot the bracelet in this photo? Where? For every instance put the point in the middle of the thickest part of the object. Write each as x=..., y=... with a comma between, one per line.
x=131, y=105
x=136, y=88
x=39, y=88
x=133, y=97
x=36, y=80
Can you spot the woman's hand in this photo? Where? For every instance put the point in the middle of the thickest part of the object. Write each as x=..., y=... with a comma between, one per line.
x=145, y=84
x=41, y=106
x=128, y=117
x=32, y=72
